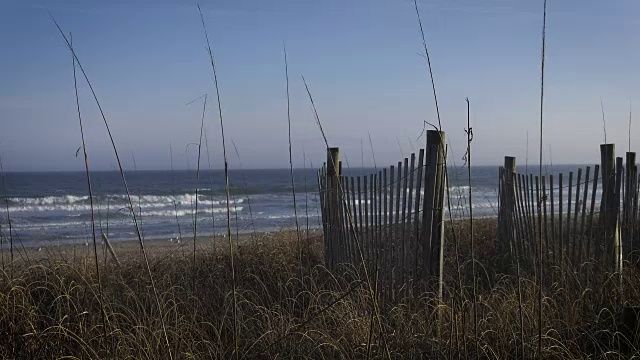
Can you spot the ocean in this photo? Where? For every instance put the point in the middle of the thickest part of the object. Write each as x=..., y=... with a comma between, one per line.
x=53, y=207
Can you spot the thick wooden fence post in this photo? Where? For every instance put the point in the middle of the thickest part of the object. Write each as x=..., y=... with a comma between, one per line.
x=433, y=209
x=629, y=195
x=333, y=205
x=507, y=205
x=617, y=244
x=608, y=206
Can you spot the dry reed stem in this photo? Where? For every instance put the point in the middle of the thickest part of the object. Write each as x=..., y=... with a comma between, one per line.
x=226, y=176
x=115, y=150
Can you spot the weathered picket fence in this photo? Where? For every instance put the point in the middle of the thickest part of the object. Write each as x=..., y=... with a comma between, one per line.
x=390, y=222
x=566, y=222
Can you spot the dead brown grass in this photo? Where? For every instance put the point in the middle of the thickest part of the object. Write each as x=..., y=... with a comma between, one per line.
x=50, y=309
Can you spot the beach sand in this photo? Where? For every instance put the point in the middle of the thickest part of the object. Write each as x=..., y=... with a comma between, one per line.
x=155, y=248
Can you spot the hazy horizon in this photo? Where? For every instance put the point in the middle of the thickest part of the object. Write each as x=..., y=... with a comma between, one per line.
x=361, y=61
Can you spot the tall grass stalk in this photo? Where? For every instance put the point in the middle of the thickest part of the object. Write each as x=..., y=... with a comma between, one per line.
x=400, y=147
x=361, y=157
x=2, y=245
x=246, y=190
x=6, y=204
x=317, y=199
x=195, y=214
x=139, y=191
x=413, y=149
x=442, y=144
x=293, y=185
x=226, y=178
x=11, y=264
x=213, y=216
x=372, y=293
x=234, y=200
x=469, y=132
x=629, y=126
x=373, y=153
x=90, y=191
x=604, y=122
x=526, y=155
x=426, y=54
x=173, y=191
x=306, y=192
x=124, y=180
x=542, y=201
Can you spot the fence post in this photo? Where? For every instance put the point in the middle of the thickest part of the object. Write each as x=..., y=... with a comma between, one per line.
x=432, y=234
x=505, y=212
x=617, y=244
x=629, y=194
x=333, y=204
x=608, y=216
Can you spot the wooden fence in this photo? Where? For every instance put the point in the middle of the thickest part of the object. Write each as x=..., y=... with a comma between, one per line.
x=390, y=222
x=570, y=220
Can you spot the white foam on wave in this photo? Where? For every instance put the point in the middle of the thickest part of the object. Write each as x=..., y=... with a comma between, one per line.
x=180, y=213
x=49, y=200
x=71, y=203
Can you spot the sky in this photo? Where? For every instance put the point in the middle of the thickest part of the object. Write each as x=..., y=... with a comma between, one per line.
x=362, y=60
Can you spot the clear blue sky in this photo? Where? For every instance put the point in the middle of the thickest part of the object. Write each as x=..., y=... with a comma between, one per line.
x=147, y=60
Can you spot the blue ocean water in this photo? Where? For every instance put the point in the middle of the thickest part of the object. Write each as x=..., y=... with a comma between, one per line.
x=53, y=207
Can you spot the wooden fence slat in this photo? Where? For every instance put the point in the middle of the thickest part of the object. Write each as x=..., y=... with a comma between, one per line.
x=374, y=241
x=392, y=238
x=522, y=217
x=553, y=221
x=532, y=215
x=565, y=251
x=509, y=228
x=349, y=219
x=532, y=205
x=584, y=213
x=528, y=190
x=403, y=238
x=575, y=218
x=560, y=256
x=416, y=210
x=617, y=244
x=344, y=221
x=372, y=221
x=510, y=200
x=596, y=171
x=538, y=201
x=344, y=226
x=527, y=203
x=408, y=227
x=355, y=224
x=526, y=242
x=322, y=185
x=361, y=235
x=379, y=227
x=524, y=214
x=396, y=229
x=545, y=250
x=386, y=244
x=367, y=226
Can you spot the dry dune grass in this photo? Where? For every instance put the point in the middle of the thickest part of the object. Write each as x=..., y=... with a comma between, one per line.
x=52, y=310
